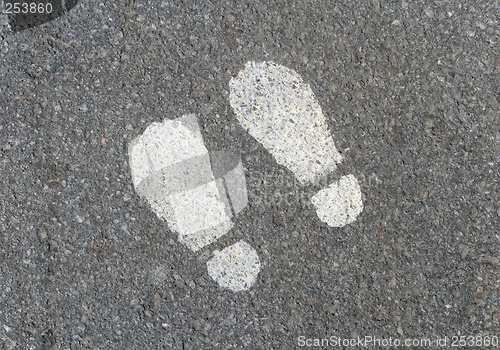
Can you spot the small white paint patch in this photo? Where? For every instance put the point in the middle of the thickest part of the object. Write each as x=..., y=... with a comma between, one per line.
x=235, y=267
x=281, y=112
x=340, y=203
x=171, y=169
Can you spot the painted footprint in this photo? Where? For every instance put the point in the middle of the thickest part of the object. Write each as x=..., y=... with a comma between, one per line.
x=197, y=193
x=281, y=112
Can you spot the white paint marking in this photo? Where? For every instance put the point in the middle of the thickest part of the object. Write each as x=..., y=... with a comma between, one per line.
x=164, y=144
x=171, y=168
x=340, y=203
x=200, y=215
x=235, y=267
x=281, y=112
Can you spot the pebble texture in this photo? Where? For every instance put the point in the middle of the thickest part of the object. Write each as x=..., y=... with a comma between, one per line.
x=277, y=108
x=410, y=92
x=235, y=267
x=340, y=203
x=4, y=19
x=171, y=168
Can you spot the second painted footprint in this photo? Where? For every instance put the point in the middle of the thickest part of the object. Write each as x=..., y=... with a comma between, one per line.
x=280, y=111
x=196, y=192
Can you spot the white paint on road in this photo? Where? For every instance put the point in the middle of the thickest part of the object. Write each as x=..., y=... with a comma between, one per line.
x=196, y=193
x=340, y=203
x=281, y=112
x=235, y=267
x=201, y=215
x=170, y=167
x=164, y=144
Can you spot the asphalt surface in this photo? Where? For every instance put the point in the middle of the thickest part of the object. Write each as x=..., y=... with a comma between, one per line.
x=410, y=90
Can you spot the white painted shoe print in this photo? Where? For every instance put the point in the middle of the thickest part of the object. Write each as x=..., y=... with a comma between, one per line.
x=197, y=193
x=281, y=112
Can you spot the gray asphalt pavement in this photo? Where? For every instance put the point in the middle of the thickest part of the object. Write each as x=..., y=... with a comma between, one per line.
x=410, y=91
